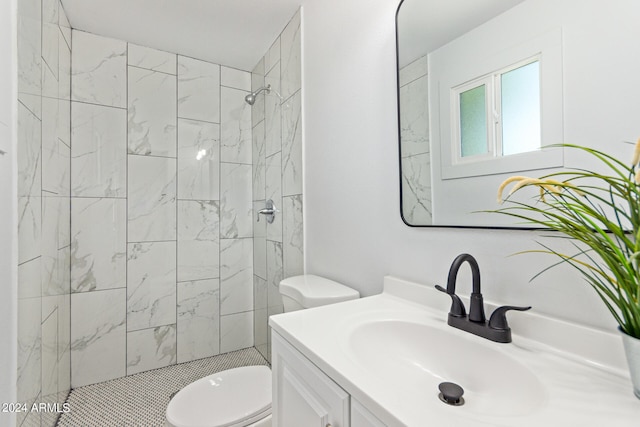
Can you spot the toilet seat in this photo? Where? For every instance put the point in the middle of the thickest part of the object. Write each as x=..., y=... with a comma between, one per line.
x=233, y=398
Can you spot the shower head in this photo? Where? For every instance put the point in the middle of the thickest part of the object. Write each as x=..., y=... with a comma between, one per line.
x=251, y=98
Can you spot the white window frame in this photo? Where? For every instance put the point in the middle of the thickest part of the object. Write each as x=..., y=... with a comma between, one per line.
x=493, y=109
x=455, y=67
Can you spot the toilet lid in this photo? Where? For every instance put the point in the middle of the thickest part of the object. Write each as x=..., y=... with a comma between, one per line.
x=313, y=291
x=224, y=399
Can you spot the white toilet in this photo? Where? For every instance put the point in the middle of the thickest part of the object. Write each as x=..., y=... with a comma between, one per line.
x=241, y=397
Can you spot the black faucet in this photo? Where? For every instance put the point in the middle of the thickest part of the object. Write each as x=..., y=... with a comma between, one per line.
x=497, y=329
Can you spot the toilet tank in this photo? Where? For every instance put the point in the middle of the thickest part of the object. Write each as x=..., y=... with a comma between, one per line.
x=309, y=291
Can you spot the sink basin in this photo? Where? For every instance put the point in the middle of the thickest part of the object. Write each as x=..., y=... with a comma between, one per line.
x=420, y=356
x=389, y=352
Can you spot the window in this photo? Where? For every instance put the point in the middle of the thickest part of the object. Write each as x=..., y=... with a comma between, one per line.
x=498, y=114
x=496, y=104
x=473, y=122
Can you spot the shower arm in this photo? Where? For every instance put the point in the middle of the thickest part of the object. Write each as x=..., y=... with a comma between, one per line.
x=266, y=88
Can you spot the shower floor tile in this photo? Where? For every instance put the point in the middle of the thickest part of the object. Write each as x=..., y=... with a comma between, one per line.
x=141, y=399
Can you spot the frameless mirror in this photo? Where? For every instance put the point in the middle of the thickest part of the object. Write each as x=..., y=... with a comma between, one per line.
x=486, y=86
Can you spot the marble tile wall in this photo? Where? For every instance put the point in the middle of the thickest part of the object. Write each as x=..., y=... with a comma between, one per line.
x=167, y=167
x=277, y=175
x=162, y=213
x=44, y=164
x=414, y=129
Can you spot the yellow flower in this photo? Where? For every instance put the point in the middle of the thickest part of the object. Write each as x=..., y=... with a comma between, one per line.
x=559, y=185
x=507, y=182
x=548, y=184
x=636, y=154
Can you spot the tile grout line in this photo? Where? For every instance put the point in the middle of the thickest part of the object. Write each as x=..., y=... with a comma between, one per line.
x=69, y=43
x=40, y=59
x=177, y=210
x=126, y=292
x=220, y=211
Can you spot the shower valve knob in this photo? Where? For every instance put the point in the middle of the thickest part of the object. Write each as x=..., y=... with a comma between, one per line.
x=269, y=211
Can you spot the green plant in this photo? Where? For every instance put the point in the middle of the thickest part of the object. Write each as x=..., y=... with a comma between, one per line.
x=600, y=213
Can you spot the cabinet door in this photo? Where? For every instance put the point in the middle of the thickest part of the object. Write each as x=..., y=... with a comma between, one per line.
x=361, y=417
x=302, y=394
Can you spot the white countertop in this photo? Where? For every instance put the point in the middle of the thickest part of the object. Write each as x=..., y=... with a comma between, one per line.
x=582, y=370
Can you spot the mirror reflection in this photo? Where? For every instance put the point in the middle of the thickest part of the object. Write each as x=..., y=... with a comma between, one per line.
x=485, y=86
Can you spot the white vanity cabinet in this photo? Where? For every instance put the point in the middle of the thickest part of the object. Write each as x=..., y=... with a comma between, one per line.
x=302, y=394
x=361, y=417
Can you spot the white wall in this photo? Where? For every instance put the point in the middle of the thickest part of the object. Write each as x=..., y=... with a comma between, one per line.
x=587, y=51
x=354, y=233
x=8, y=223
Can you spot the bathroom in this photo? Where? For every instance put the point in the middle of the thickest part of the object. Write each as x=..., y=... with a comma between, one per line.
x=344, y=209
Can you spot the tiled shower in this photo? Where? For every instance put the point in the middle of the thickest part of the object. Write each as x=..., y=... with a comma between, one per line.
x=277, y=175
x=141, y=173
x=414, y=128
x=44, y=246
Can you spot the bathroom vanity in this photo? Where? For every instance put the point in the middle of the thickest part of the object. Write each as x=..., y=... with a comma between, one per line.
x=377, y=361
x=305, y=395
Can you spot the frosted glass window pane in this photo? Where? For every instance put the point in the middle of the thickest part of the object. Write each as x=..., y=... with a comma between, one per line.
x=473, y=122
x=521, y=109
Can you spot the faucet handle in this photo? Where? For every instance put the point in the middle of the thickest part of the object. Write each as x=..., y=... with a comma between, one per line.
x=269, y=211
x=457, y=306
x=498, y=318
